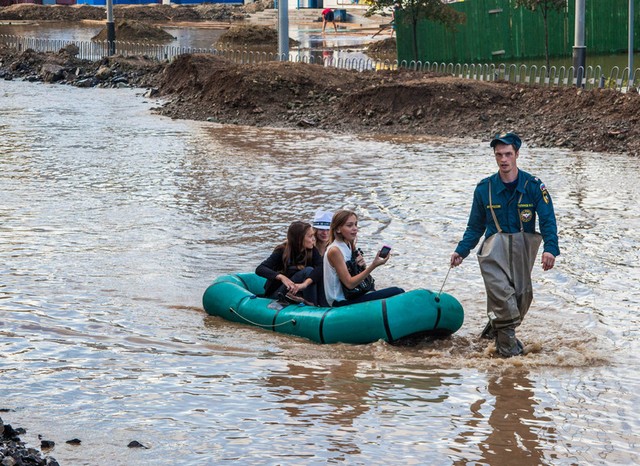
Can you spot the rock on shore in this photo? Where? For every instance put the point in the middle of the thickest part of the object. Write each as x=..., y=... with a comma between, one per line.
x=64, y=68
x=14, y=452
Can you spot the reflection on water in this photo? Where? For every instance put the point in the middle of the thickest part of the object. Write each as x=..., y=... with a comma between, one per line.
x=314, y=46
x=330, y=396
x=56, y=30
x=516, y=430
x=115, y=220
x=331, y=48
x=195, y=37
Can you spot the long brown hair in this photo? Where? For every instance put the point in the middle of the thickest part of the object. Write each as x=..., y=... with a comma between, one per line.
x=339, y=219
x=294, y=251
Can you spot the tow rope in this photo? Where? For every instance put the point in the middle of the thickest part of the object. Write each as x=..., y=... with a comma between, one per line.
x=442, y=287
x=290, y=321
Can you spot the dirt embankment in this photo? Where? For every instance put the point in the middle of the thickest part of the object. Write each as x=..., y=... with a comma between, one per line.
x=136, y=31
x=253, y=36
x=204, y=87
x=382, y=50
x=153, y=13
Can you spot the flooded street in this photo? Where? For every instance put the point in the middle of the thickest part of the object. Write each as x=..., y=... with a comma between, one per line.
x=84, y=31
x=115, y=220
x=314, y=46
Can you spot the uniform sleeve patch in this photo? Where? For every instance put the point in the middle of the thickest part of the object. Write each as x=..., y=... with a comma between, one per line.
x=545, y=193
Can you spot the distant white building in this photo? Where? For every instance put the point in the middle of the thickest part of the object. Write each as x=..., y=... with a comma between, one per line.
x=338, y=4
x=321, y=4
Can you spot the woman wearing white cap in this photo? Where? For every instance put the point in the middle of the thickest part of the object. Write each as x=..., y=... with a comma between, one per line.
x=321, y=225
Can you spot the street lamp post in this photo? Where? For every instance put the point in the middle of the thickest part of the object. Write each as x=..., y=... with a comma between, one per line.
x=283, y=30
x=631, y=15
x=579, y=49
x=111, y=30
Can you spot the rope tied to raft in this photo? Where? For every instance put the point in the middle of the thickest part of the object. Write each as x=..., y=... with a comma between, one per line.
x=442, y=287
x=290, y=321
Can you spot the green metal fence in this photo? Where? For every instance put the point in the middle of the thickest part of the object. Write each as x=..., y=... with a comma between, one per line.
x=495, y=30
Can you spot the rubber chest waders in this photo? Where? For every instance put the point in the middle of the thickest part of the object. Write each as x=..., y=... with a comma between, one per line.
x=506, y=261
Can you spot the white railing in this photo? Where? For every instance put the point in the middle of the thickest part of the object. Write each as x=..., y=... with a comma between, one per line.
x=592, y=77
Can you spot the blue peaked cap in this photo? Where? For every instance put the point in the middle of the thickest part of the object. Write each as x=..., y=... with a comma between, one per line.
x=507, y=138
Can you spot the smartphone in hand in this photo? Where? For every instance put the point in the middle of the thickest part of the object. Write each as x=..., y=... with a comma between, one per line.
x=384, y=252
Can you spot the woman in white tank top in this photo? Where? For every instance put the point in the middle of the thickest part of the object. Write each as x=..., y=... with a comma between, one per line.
x=342, y=239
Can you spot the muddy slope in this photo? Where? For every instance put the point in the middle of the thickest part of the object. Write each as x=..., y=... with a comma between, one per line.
x=300, y=95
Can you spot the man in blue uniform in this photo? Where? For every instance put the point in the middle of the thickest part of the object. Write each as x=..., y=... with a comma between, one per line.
x=505, y=207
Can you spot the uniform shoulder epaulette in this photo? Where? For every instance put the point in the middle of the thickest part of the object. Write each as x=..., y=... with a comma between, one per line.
x=536, y=180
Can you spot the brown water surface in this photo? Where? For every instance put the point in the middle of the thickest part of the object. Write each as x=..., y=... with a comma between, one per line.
x=114, y=221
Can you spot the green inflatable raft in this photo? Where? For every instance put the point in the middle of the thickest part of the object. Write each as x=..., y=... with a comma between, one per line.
x=412, y=314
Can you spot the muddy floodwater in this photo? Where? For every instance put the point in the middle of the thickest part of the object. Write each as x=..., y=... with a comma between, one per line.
x=314, y=46
x=113, y=221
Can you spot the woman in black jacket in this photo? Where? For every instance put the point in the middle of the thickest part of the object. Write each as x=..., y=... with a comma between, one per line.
x=294, y=267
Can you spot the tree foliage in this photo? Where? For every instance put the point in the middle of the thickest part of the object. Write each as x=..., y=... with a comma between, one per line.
x=544, y=7
x=413, y=11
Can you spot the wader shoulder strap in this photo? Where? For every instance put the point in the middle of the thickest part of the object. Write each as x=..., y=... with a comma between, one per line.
x=520, y=202
x=493, y=214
